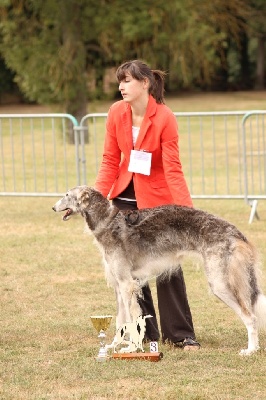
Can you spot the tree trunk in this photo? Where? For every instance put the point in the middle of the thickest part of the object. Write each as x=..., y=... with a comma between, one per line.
x=260, y=76
x=73, y=54
x=220, y=80
x=245, y=78
x=78, y=109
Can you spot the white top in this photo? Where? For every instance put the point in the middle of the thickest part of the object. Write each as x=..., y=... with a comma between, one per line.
x=135, y=133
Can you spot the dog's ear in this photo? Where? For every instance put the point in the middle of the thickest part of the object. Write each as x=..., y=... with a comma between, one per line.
x=88, y=196
x=83, y=198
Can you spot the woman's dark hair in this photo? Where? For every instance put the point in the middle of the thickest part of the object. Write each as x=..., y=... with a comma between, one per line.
x=139, y=70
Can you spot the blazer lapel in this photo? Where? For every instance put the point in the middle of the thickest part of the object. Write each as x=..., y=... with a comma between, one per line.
x=127, y=126
x=151, y=109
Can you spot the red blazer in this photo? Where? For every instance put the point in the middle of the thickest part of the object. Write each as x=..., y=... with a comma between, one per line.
x=159, y=135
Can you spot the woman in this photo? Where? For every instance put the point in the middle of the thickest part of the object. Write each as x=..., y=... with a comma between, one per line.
x=141, y=168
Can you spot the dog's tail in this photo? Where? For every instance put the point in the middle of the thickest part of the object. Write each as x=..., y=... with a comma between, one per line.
x=260, y=311
x=243, y=279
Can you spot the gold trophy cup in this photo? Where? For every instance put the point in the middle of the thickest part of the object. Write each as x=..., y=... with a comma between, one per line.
x=101, y=323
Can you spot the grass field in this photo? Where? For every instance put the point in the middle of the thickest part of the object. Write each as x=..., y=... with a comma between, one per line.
x=52, y=280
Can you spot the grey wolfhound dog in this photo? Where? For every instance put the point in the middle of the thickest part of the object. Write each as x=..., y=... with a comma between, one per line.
x=141, y=244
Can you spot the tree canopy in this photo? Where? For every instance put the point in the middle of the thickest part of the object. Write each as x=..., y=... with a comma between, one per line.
x=54, y=48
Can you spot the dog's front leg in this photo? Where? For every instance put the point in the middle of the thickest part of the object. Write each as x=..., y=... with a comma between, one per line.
x=121, y=315
x=120, y=318
x=127, y=303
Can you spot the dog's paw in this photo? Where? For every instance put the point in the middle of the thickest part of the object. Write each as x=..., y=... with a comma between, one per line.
x=248, y=352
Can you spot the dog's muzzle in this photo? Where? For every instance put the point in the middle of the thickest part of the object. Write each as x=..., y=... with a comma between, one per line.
x=68, y=212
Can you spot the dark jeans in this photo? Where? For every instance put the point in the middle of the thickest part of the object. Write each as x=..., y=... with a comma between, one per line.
x=175, y=316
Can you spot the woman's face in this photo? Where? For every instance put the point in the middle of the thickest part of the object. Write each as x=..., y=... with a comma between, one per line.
x=131, y=89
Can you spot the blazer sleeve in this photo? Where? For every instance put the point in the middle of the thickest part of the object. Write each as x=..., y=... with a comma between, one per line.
x=111, y=159
x=172, y=165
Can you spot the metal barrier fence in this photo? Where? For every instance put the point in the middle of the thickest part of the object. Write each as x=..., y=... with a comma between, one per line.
x=210, y=147
x=223, y=153
x=254, y=158
x=37, y=158
x=223, y=157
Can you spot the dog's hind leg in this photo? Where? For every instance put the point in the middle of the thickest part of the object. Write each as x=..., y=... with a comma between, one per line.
x=233, y=289
x=250, y=322
x=247, y=317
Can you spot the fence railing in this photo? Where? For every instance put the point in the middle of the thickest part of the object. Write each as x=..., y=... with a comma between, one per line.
x=223, y=153
x=254, y=158
x=37, y=158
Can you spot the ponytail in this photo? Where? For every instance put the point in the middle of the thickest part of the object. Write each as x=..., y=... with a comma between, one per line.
x=157, y=89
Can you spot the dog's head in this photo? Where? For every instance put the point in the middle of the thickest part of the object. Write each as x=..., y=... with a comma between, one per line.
x=76, y=200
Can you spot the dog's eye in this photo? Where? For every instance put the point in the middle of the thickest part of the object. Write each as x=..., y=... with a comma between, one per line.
x=66, y=194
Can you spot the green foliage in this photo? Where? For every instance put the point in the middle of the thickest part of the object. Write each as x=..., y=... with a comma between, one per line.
x=54, y=47
x=42, y=43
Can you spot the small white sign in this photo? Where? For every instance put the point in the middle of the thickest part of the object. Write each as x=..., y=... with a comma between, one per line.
x=140, y=162
x=154, y=347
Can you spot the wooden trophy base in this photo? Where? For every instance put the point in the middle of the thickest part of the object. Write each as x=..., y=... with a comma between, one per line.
x=154, y=356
